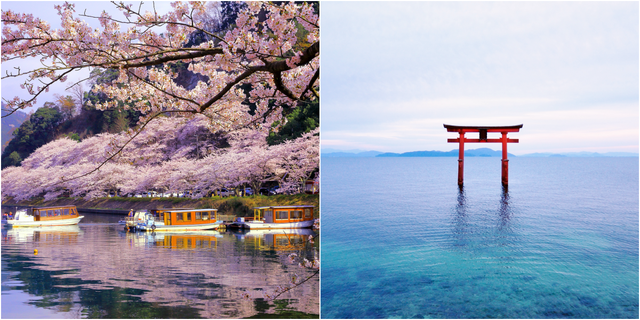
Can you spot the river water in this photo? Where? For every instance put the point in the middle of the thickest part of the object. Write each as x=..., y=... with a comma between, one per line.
x=97, y=270
x=401, y=240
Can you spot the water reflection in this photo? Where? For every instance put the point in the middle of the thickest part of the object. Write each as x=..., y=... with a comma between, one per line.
x=505, y=210
x=278, y=240
x=476, y=230
x=52, y=235
x=460, y=220
x=105, y=272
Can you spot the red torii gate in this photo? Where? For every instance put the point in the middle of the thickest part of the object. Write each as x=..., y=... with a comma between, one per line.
x=483, y=138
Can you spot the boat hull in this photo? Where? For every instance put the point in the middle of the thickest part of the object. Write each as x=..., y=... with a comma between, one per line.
x=287, y=225
x=61, y=222
x=172, y=228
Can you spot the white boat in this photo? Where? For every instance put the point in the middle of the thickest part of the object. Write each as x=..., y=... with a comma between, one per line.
x=277, y=217
x=46, y=216
x=180, y=220
x=140, y=217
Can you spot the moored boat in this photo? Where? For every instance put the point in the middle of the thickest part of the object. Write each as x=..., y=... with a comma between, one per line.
x=180, y=220
x=45, y=216
x=277, y=217
x=140, y=217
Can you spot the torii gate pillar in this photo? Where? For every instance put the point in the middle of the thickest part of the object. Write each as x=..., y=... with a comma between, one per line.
x=483, y=138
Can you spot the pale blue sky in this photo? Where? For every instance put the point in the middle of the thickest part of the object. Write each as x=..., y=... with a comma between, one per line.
x=394, y=72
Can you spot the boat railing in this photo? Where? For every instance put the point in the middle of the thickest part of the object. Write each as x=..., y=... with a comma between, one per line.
x=130, y=221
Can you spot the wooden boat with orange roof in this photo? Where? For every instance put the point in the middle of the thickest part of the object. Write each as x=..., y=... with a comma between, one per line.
x=46, y=216
x=277, y=217
x=180, y=220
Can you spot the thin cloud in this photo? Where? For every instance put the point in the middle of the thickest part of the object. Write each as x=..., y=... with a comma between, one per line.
x=404, y=66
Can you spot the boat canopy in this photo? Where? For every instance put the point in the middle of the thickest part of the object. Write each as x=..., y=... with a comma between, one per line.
x=283, y=207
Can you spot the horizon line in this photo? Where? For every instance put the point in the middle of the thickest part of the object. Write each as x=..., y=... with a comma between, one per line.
x=358, y=151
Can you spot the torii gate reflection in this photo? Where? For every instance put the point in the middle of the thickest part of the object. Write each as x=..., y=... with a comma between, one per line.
x=483, y=138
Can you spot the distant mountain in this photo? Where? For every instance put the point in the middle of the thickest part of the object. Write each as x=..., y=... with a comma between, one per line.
x=482, y=152
x=9, y=124
x=581, y=154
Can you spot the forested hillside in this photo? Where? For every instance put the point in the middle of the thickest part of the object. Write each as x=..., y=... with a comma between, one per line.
x=9, y=124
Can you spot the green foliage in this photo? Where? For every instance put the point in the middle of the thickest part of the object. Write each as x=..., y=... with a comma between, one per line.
x=302, y=119
x=74, y=136
x=113, y=121
x=14, y=159
x=31, y=135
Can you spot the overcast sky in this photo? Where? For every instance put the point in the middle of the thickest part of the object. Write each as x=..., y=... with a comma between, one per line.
x=394, y=72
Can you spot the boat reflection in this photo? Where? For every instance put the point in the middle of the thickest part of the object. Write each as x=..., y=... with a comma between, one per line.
x=278, y=240
x=175, y=241
x=53, y=235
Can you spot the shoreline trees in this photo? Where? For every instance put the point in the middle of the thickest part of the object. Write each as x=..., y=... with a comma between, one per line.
x=161, y=159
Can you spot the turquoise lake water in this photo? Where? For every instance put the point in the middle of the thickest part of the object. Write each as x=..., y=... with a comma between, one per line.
x=401, y=240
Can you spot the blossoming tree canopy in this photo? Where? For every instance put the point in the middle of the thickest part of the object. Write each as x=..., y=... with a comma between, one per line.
x=162, y=159
x=273, y=50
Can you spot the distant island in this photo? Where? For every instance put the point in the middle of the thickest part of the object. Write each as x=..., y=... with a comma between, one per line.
x=481, y=152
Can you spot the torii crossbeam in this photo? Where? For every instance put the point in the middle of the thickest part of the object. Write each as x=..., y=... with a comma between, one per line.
x=483, y=138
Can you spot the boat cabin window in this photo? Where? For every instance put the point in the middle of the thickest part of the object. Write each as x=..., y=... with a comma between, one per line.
x=179, y=216
x=188, y=216
x=198, y=216
x=58, y=212
x=65, y=211
x=205, y=216
x=282, y=215
x=50, y=213
x=307, y=213
x=296, y=214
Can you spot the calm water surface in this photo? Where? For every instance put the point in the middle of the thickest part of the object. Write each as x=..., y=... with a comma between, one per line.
x=402, y=241
x=96, y=270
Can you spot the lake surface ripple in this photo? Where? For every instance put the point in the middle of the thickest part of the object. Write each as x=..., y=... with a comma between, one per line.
x=96, y=270
x=401, y=240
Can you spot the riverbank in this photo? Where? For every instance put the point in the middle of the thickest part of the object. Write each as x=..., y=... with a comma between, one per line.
x=238, y=206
